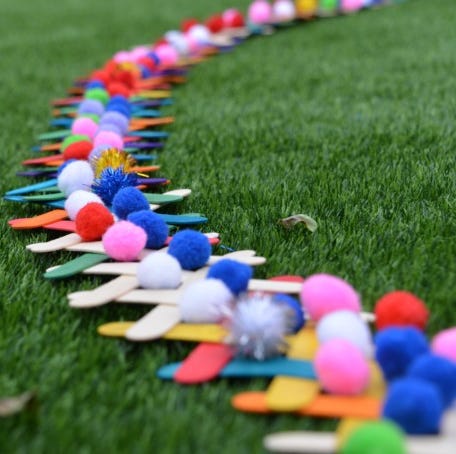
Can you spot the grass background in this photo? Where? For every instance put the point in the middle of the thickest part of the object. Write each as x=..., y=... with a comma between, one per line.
x=348, y=120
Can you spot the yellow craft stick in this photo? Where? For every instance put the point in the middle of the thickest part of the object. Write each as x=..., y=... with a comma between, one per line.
x=289, y=393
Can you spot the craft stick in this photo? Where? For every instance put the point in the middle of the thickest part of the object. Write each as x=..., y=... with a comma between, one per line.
x=301, y=442
x=38, y=221
x=287, y=393
x=152, y=326
x=75, y=266
x=55, y=245
x=204, y=363
x=327, y=406
x=106, y=293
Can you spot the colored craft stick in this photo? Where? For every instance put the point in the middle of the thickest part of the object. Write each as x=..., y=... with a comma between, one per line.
x=76, y=266
x=203, y=364
x=247, y=368
x=38, y=221
x=33, y=187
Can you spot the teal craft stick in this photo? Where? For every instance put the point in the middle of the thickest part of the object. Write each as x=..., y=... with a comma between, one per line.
x=33, y=187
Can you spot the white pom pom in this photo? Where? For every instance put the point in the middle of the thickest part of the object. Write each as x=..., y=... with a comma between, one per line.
x=79, y=199
x=205, y=301
x=159, y=270
x=284, y=10
x=200, y=34
x=178, y=41
x=258, y=326
x=76, y=175
x=348, y=326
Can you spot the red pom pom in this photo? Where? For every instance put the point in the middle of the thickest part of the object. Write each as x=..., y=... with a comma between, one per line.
x=101, y=75
x=160, y=42
x=148, y=63
x=235, y=20
x=92, y=221
x=400, y=308
x=118, y=88
x=78, y=150
x=187, y=24
x=125, y=77
x=215, y=23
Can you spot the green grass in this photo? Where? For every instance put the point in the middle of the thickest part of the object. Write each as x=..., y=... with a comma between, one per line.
x=350, y=121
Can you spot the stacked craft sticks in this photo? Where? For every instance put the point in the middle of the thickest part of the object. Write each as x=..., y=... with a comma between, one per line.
x=94, y=171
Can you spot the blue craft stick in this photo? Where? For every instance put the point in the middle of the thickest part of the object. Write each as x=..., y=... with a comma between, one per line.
x=144, y=157
x=57, y=204
x=33, y=187
x=61, y=122
x=14, y=198
x=149, y=134
x=247, y=368
x=146, y=113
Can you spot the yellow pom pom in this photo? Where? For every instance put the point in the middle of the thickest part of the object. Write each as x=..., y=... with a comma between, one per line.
x=113, y=158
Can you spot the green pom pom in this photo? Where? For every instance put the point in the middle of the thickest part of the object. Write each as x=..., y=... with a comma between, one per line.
x=72, y=139
x=374, y=438
x=99, y=94
x=92, y=116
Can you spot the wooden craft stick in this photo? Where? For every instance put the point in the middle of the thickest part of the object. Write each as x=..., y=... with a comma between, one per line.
x=105, y=293
x=55, y=245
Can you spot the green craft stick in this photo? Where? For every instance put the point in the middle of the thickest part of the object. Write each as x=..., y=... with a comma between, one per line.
x=51, y=196
x=75, y=266
x=161, y=199
x=53, y=135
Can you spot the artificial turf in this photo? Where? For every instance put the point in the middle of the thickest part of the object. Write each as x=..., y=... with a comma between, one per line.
x=349, y=120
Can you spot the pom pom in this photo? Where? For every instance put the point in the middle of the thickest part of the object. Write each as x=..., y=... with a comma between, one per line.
x=111, y=181
x=118, y=88
x=113, y=158
x=187, y=24
x=258, y=327
x=200, y=34
x=350, y=6
x=167, y=54
x=97, y=94
x=283, y=11
x=348, y=326
x=128, y=200
x=341, y=368
x=159, y=271
x=77, y=200
x=91, y=106
x=155, y=227
x=76, y=175
x=294, y=308
x=205, y=301
x=117, y=119
x=96, y=153
x=374, y=438
x=439, y=371
x=178, y=41
x=260, y=12
x=397, y=348
x=400, y=309
x=215, y=23
x=415, y=405
x=235, y=275
x=324, y=293
x=108, y=138
x=84, y=126
x=190, y=248
x=92, y=221
x=232, y=18
x=78, y=150
x=444, y=344
x=124, y=240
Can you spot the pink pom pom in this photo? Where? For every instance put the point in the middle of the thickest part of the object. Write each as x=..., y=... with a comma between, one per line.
x=324, y=293
x=108, y=138
x=341, y=368
x=139, y=52
x=167, y=54
x=122, y=56
x=444, y=344
x=124, y=240
x=85, y=126
x=351, y=5
x=260, y=12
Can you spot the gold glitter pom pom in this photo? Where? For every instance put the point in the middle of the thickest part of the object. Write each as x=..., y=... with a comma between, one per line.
x=114, y=158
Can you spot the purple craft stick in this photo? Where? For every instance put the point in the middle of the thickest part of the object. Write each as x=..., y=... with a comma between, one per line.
x=151, y=181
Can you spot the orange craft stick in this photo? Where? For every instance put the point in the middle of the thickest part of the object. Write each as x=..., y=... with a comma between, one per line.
x=38, y=221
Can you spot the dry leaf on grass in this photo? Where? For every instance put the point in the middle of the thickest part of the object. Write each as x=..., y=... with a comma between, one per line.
x=296, y=219
x=12, y=405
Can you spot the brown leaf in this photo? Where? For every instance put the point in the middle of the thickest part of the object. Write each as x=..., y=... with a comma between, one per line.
x=296, y=219
x=12, y=405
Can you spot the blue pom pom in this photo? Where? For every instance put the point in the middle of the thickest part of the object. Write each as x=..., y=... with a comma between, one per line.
x=439, y=371
x=296, y=308
x=145, y=72
x=415, y=405
x=153, y=56
x=120, y=98
x=128, y=200
x=191, y=249
x=235, y=275
x=397, y=348
x=95, y=84
x=115, y=107
x=111, y=181
x=154, y=226
x=62, y=166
